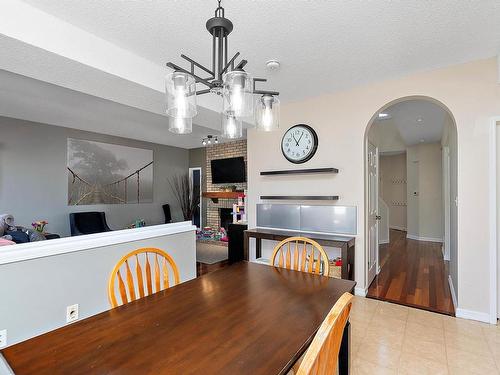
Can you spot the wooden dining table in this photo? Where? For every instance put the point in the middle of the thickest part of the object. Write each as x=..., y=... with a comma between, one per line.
x=246, y=318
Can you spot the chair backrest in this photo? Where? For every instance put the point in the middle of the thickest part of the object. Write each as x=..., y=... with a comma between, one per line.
x=88, y=223
x=301, y=254
x=141, y=284
x=322, y=356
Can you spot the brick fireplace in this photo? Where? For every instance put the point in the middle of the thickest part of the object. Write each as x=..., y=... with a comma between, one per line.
x=222, y=151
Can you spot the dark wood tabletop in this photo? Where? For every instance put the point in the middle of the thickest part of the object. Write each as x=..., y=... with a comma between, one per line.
x=244, y=319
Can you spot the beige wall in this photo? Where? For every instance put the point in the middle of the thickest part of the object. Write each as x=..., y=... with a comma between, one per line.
x=471, y=93
x=392, y=188
x=425, y=188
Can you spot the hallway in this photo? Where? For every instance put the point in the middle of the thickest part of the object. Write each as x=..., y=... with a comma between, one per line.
x=413, y=273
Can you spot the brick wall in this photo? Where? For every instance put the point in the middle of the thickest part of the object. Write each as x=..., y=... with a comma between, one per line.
x=222, y=151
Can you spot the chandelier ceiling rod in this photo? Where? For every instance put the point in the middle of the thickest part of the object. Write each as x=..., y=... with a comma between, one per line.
x=220, y=27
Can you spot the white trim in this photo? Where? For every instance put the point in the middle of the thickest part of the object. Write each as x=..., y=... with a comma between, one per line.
x=453, y=294
x=422, y=238
x=446, y=202
x=40, y=249
x=473, y=315
x=358, y=291
x=493, y=218
x=382, y=242
x=397, y=228
x=4, y=367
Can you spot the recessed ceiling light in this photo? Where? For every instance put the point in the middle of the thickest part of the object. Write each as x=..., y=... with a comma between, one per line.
x=420, y=120
x=273, y=64
x=383, y=115
x=422, y=140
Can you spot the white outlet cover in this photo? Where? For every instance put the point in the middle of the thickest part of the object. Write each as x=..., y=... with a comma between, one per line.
x=72, y=313
x=3, y=338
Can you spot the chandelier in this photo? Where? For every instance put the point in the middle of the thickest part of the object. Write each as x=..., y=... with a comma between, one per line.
x=209, y=139
x=226, y=78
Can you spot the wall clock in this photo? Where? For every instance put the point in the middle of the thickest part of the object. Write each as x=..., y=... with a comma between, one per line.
x=299, y=143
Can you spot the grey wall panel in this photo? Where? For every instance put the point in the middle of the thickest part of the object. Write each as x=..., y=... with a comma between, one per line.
x=285, y=216
x=328, y=219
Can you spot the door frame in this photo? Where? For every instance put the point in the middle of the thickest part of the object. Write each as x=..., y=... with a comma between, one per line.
x=367, y=213
x=494, y=245
x=447, y=203
x=201, y=190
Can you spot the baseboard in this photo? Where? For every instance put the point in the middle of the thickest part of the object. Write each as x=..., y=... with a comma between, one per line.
x=453, y=294
x=358, y=291
x=421, y=238
x=473, y=315
x=397, y=228
x=382, y=242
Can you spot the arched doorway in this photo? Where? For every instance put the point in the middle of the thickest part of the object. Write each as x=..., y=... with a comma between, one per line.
x=411, y=212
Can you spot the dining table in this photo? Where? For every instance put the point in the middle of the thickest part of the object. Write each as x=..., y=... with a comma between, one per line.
x=246, y=318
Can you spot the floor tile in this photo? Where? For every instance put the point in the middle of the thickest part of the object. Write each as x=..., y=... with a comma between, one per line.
x=463, y=362
x=392, y=311
x=425, y=333
x=413, y=364
x=425, y=318
x=380, y=354
x=426, y=350
x=362, y=367
x=472, y=344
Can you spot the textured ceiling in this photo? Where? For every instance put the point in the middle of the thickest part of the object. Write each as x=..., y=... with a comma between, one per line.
x=417, y=121
x=323, y=45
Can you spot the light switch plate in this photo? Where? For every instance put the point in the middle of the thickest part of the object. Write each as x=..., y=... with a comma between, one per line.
x=72, y=313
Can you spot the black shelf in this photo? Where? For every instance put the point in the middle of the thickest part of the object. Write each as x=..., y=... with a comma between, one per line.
x=301, y=197
x=300, y=171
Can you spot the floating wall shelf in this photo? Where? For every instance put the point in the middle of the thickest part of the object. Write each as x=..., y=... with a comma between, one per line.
x=301, y=197
x=300, y=171
x=216, y=195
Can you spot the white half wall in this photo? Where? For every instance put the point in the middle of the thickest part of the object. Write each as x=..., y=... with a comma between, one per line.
x=38, y=282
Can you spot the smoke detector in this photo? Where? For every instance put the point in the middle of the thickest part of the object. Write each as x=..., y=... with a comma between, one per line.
x=273, y=65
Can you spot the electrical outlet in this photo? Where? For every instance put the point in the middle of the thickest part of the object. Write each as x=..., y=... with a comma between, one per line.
x=71, y=313
x=3, y=338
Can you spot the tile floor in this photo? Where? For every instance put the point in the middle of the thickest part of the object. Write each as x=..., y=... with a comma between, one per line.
x=394, y=339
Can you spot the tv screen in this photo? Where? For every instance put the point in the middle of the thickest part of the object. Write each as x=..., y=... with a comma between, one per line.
x=228, y=170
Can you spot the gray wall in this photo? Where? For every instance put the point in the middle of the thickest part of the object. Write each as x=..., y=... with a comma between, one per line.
x=33, y=176
x=35, y=293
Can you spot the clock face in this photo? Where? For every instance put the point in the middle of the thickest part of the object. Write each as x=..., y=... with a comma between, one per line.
x=299, y=143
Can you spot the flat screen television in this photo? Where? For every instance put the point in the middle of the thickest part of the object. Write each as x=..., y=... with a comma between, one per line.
x=228, y=170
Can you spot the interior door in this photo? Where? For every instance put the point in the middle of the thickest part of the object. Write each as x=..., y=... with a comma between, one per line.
x=373, y=217
x=196, y=186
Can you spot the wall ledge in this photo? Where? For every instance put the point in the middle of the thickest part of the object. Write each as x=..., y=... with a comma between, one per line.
x=40, y=249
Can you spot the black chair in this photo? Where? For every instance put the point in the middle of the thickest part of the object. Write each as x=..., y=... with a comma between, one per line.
x=88, y=223
x=168, y=215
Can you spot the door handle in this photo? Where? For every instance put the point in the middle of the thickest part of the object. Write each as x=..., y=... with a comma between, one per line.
x=378, y=217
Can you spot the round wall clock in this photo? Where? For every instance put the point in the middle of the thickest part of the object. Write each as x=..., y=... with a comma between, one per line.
x=299, y=143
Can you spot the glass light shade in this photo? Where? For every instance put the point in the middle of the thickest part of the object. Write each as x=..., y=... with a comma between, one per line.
x=179, y=125
x=181, y=95
x=267, y=113
x=237, y=93
x=232, y=127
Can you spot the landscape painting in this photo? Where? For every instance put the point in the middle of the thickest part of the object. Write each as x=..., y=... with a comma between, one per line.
x=104, y=173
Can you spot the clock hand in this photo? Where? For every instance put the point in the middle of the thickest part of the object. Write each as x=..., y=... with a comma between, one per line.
x=297, y=143
x=300, y=138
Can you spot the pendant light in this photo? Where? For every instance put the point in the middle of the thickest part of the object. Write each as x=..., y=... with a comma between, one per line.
x=180, y=125
x=181, y=95
x=237, y=93
x=232, y=127
x=267, y=113
x=225, y=76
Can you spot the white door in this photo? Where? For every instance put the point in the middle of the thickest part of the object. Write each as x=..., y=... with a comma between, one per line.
x=373, y=216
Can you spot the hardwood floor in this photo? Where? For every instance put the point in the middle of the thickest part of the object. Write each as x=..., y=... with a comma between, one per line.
x=202, y=268
x=413, y=273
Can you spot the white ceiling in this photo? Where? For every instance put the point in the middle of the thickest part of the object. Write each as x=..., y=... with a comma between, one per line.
x=113, y=53
x=406, y=115
x=323, y=45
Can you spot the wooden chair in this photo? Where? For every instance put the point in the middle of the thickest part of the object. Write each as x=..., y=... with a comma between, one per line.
x=142, y=285
x=307, y=256
x=322, y=356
